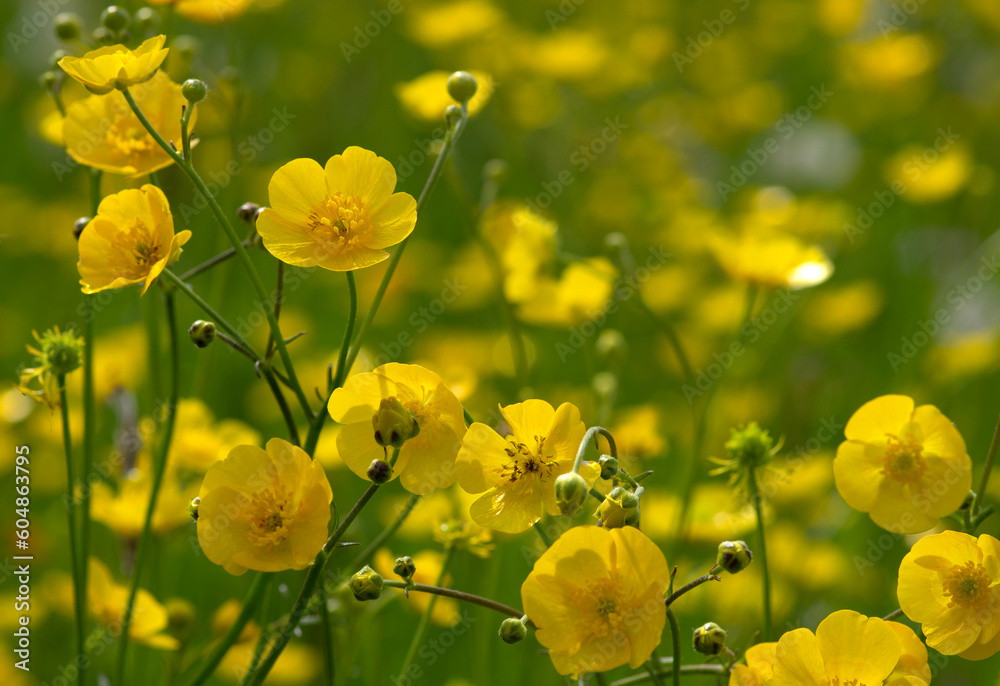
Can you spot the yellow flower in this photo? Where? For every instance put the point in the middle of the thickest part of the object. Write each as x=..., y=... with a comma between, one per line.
x=124, y=510
x=115, y=66
x=340, y=217
x=524, y=241
x=297, y=664
x=596, y=598
x=428, y=563
x=207, y=11
x=760, y=662
x=906, y=467
x=848, y=648
x=518, y=471
x=770, y=260
x=107, y=601
x=426, y=97
x=426, y=461
x=200, y=441
x=103, y=132
x=444, y=25
x=131, y=240
x=264, y=510
x=950, y=584
x=58, y=354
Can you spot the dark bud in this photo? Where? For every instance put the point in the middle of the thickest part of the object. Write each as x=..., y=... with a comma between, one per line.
x=202, y=333
x=79, y=225
x=248, y=212
x=380, y=472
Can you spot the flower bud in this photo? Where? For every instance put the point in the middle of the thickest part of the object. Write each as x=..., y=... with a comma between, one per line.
x=115, y=19
x=611, y=346
x=366, y=584
x=379, y=471
x=102, y=36
x=68, y=26
x=462, y=86
x=496, y=170
x=146, y=19
x=615, y=242
x=609, y=466
x=393, y=423
x=186, y=46
x=967, y=503
x=452, y=115
x=248, y=212
x=709, y=639
x=182, y=618
x=571, y=493
x=194, y=90
x=404, y=567
x=193, y=507
x=79, y=225
x=61, y=350
x=48, y=80
x=512, y=630
x=202, y=333
x=605, y=385
x=620, y=508
x=734, y=556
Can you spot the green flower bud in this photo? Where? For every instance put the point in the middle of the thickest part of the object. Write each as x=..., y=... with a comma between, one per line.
x=193, y=507
x=202, y=333
x=61, y=351
x=379, y=471
x=48, y=80
x=615, y=242
x=734, y=556
x=611, y=346
x=709, y=639
x=513, y=630
x=620, y=508
x=366, y=584
x=248, y=212
x=186, y=46
x=496, y=170
x=102, y=36
x=68, y=26
x=609, y=466
x=393, y=423
x=404, y=567
x=452, y=115
x=115, y=19
x=79, y=225
x=571, y=492
x=605, y=385
x=462, y=86
x=146, y=19
x=194, y=90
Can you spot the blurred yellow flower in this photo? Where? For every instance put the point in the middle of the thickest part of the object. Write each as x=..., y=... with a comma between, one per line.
x=103, y=132
x=340, y=217
x=426, y=461
x=770, y=260
x=596, y=599
x=933, y=173
x=906, y=467
x=582, y=293
x=524, y=241
x=426, y=96
x=429, y=565
x=130, y=241
x=200, y=441
x=115, y=66
x=847, y=648
x=107, y=601
x=950, y=584
x=297, y=664
x=264, y=510
x=889, y=60
x=123, y=509
x=446, y=24
x=518, y=471
x=206, y=11
x=836, y=311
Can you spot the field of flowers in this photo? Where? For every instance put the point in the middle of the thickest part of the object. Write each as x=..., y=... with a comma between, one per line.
x=478, y=342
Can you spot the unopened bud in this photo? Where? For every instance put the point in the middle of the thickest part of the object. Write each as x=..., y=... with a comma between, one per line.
x=102, y=36
x=462, y=86
x=202, y=333
x=379, y=472
x=115, y=19
x=571, y=493
x=366, y=584
x=68, y=26
x=393, y=423
x=186, y=46
x=496, y=170
x=512, y=630
x=620, y=508
x=709, y=639
x=194, y=90
x=734, y=556
x=146, y=19
x=193, y=507
x=404, y=567
x=452, y=115
x=609, y=466
x=611, y=346
x=79, y=225
x=248, y=212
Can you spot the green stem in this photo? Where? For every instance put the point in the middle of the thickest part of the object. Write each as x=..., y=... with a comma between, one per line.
x=250, y=603
x=458, y=595
x=675, y=636
x=79, y=592
x=324, y=618
x=984, y=480
x=892, y=615
x=425, y=618
x=286, y=412
x=279, y=291
x=211, y=262
x=159, y=468
x=342, y=371
x=650, y=666
x=766, y=589
x=544, y=536
x=386, y=533
x=718, y=670
x=255, y=280
x=688, y=586
x=591, y=432
x=217, y=318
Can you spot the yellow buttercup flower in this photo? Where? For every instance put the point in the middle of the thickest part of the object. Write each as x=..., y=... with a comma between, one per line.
x=770, y=260
x=427, y=460
x=950, y=583
x=115, y=66
x=130, y=241
x=103, y=132
x=760, y=662
x=265, y=510
x=207, y=11
x=426, y=97
x=517, y=471
x=906, y=467
x=124, y=510
x=847, y=648
x=107, y=601
x=200, y=441
x=596, y=599
x=341, y=217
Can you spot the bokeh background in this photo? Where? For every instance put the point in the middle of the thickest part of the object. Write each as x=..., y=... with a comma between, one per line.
x=682, y=129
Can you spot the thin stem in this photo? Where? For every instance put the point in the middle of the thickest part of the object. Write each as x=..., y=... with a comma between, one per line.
x=324, y=618
x=250, y=603
x=892, y=615
x=458, y=595
x=286, y=412
x=342, y=371
x=675, y=636
x=984, y=480
x=718, y=670
x=79, y=592
x=591, y=432
x=279, y=292
x=650, y=666
x=159, y=468
x=223, y=220
x=425, y=618
x=544, y=536
x=386, y=533
x=766, y=589
x=688, y=586
x=217, y=318
x=211, y=262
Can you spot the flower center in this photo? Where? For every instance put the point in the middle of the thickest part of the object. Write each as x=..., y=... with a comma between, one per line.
x=134, y=251
x=339, y=223
x=968, y=585
x=526, y=462
x=605, y=605
x=270, y=517
x=126, y=136
x=903, y=459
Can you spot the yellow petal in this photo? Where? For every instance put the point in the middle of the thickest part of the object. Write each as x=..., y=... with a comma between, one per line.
x=873, y=420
